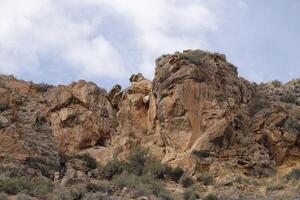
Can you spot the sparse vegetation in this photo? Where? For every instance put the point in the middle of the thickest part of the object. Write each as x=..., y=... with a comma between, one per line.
x=114, y=167
x=190, y=195
x=175, y=173
x=196, y=57
x=289, y=98
x=142, y=185
x=43, y=87
x=36, y=187
x=292, y=124
x=90, y=161
x=276, y=83
x=201, y=153
x=187, y=181
x=211, y=197
x=205, y=178
x=23, y=196
x=293, y=175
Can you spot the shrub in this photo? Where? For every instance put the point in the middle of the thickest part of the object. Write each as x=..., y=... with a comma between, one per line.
x=210, y=197
x=186, y=181
x=175, y=174
x=142, y=185
x=42, y=87
x=155, y=169
x=190, y=195
x=289, y=98
x=197, y=56
x=13, y=185
x=257, y=103
x=22, y=196
x=90, y=161
x=201, y=153
x=276, y=83
x=114, y=167
x=36, y=187
x=103, y=186
x=292, y=124
x=137, y=160
x=3, y=196
x=293, y=175
x=206, y=178
x=67, y=193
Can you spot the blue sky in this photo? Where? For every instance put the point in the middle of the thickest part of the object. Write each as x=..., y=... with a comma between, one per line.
x=105, y=41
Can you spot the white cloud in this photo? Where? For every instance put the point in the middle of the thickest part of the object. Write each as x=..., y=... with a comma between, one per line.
x=71, y=31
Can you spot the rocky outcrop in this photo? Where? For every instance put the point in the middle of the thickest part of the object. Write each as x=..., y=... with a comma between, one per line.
x=27, y=145
x=197, y=113
x=80, y=116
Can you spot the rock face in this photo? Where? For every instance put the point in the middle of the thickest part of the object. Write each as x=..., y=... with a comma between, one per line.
x=196, y=103
x=80, y=116
x=27, y=145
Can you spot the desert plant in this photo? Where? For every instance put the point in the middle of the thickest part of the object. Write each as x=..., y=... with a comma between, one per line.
x=292, y=124
x=137, y=160
x=155, y=169
x=289, y=98
x=201, y=153
x=67, y=193
x=210, y=197
x=113, y=167
x=36, y=187
x=190, y=195
x=206, y=178
x=43, y=87
x=90, y=161
x=276, y=83
x=103, y=186
x=186, y=181
x=175, y=174
x=95, y=196
x=142, y=185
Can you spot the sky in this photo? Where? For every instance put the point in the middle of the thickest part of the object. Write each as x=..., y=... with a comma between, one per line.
x=105, y=41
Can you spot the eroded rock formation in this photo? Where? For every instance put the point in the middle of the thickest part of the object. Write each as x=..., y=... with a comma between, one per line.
x=196, y=102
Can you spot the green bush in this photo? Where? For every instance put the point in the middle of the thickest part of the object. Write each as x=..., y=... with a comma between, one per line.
x=211, y=197
x=201, y=153
x=186, y=181
x=293, y=175
x=175, y=174
x=90, y=161
x=137, y=161
x=14, y=185
x=114, y=167
x=3, y=196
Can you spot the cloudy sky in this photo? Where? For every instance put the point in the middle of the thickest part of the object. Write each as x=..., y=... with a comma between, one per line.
x=105, y=41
